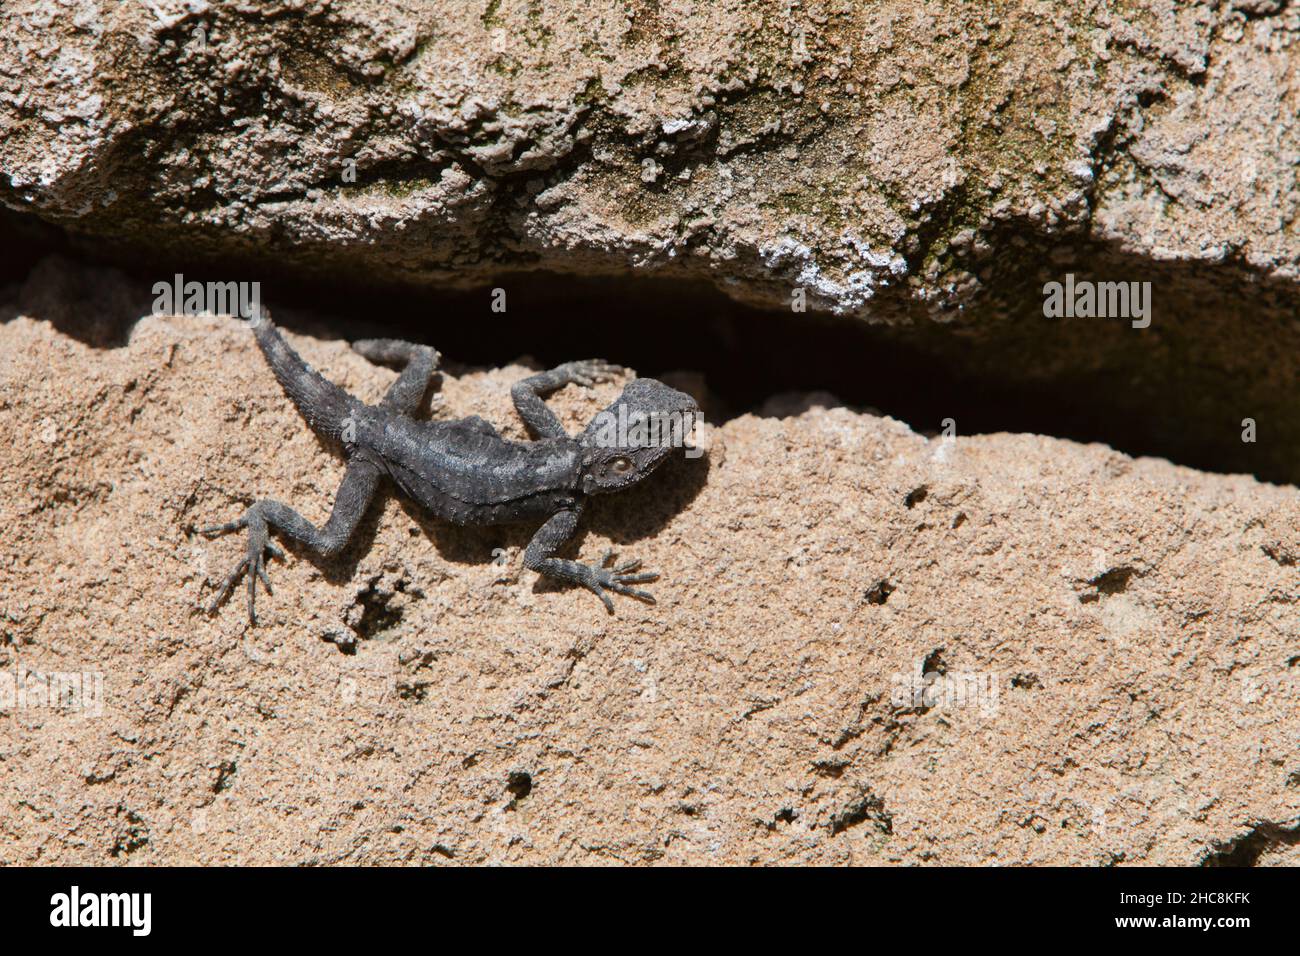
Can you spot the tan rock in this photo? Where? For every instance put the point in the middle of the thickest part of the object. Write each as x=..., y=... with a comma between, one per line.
x=849, y=149
x=1115, y=639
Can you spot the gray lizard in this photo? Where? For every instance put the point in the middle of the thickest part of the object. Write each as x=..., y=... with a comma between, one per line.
x=463, y=470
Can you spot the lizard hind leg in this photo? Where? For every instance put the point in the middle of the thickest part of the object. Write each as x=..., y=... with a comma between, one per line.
x=355, y=493
x=417, y=362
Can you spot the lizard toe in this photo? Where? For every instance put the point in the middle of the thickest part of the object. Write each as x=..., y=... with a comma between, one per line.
x=252, y=564
x=229, y=526
x=637, y=593
x=227, y=585
x=591, y=371
x=599, y=591
x=261, y=574
x=641, y=578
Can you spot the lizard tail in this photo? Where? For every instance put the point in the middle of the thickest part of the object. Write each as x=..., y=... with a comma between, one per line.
x=325, y=406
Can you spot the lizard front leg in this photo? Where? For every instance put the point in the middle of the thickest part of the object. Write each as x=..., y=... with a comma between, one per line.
x=558, y=529
x=355, y=493
x=527, y=393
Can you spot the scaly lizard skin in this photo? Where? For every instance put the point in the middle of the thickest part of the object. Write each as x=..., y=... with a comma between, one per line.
x=461, y=470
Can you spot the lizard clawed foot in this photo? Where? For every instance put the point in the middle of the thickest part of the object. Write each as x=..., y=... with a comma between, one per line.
x=392, y=351
x=619, y=579
x=253, y=563
x=590, y=371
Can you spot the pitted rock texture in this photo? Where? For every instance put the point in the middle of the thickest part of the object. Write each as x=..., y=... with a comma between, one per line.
x=877, y=156
x=1111, y=643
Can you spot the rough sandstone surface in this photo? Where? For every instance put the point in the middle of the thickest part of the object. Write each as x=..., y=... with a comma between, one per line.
x=1139, y=620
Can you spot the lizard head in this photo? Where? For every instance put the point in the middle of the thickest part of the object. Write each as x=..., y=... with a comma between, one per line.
x=635, y=435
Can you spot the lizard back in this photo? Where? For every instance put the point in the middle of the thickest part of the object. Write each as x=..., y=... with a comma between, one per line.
x=465, y=472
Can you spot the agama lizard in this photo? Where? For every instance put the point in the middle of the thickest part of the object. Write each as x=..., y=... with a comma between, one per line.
x=463, y=470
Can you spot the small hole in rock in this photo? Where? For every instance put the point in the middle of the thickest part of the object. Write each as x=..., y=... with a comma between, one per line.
x=934, y=663
x=224, y=773
x=1113, y=581
x=345, y=641
x=879, y=592
x=519, y=784
x=378, y=614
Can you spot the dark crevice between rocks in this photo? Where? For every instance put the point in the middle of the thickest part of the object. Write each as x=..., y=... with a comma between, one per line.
x=1249, y=847
x=1224, y=344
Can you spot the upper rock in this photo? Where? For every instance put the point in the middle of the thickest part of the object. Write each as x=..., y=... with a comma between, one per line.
x=867, y=154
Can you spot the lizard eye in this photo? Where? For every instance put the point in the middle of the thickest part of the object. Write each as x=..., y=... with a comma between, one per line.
x=621, y=466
